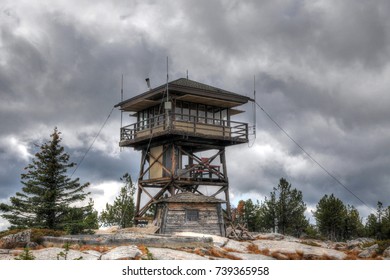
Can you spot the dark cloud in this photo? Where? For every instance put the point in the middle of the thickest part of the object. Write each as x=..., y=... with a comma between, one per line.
x=321, y=69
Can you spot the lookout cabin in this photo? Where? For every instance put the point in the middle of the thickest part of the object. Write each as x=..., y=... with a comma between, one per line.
x=190, y=212
x=196, y=111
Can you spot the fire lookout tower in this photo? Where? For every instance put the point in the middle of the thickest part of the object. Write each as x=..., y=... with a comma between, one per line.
x=177, y=124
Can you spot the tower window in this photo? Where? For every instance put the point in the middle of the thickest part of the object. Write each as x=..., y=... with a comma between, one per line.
x=192, y=215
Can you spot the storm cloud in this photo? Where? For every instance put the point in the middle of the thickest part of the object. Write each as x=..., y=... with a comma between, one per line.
x=322, y=72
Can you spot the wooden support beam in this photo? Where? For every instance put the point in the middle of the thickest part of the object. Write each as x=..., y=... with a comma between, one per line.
x=154, y=161
x=219, y=191
x=162, y=165
x=149, y=203
x=227, y=195
x=139, y=192
x=205, y=165
x=147, y=193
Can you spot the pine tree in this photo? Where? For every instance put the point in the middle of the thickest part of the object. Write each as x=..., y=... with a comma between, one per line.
x=48, y=192
x=287, y=208
x=353, y=226
x=378, y=224
x=121, y=213
x=330, y=216
x=269, y=213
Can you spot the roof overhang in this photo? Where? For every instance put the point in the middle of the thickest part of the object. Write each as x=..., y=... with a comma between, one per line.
x=208, y=100
x=198, y=93
x=138, y=105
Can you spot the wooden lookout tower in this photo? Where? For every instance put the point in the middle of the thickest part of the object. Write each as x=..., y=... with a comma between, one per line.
x=182, y=129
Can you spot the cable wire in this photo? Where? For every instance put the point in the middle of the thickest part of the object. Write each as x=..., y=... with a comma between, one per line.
x=93, y=142
x=312, y=158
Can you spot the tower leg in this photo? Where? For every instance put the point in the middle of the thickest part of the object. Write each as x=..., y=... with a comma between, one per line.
x=139, y=190
x=227, y=195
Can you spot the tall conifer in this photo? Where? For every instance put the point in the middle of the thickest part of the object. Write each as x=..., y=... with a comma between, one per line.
x=48, y=193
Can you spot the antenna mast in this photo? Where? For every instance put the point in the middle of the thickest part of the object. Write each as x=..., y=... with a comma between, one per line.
x=167, y=81
x=168, y=104
x=120, y=135
x=121, y=100
x=254, y=106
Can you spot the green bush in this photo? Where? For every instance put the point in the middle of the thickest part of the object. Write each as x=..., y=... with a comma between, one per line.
x=26, y=255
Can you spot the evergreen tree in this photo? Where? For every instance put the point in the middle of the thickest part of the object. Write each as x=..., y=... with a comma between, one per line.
x=269, y=213
x=378, y=224
x=371, y=226
x=285, y=210
x=250, y=211
x=48, y=192
x=353, y=226
x=330, y=216
x=121, y=213
x=386, y=223
x=82, y=219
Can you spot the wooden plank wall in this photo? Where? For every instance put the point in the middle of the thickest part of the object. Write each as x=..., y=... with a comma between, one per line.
x=210, y=221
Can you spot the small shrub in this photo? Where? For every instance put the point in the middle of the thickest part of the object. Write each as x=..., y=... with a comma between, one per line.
x=147, y=255
x=26, y=255
x=64, y=254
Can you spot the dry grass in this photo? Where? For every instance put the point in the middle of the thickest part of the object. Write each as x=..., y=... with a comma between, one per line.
x=100, y=249
x=253, y=249
x=265, y=252
x=298, y=255
x=231, y=250
x=214, y=253
x=279, y=256
x=199, y=252
x=352, y=255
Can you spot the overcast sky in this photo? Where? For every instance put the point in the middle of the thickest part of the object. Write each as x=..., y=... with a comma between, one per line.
x=322, y=72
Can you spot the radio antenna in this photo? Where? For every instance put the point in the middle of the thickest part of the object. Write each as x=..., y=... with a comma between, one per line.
x=167, y=79
x=120, y=135
x=254, y=106
x=121, y=100
x=168, y=104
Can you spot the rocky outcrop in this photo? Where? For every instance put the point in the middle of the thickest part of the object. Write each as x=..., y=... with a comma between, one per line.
x=169, y=254
x=247, y=256
x=126, y=238
x=298, y=250
x=386, y=253
x=369, y=252
x=190, y=246
x=61, y=254
x=20, y=239
x=122, y=253
x=357, y=244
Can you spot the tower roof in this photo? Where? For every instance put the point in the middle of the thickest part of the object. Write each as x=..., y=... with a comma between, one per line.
x=185, y=90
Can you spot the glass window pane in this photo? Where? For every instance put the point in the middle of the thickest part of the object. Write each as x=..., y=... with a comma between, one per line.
x=193, y=112
x=217, y=116
x=178, y=110
x=224, y=117
x=201, y=113
x=192, y=215
x=210, y=115
x=186, y=111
